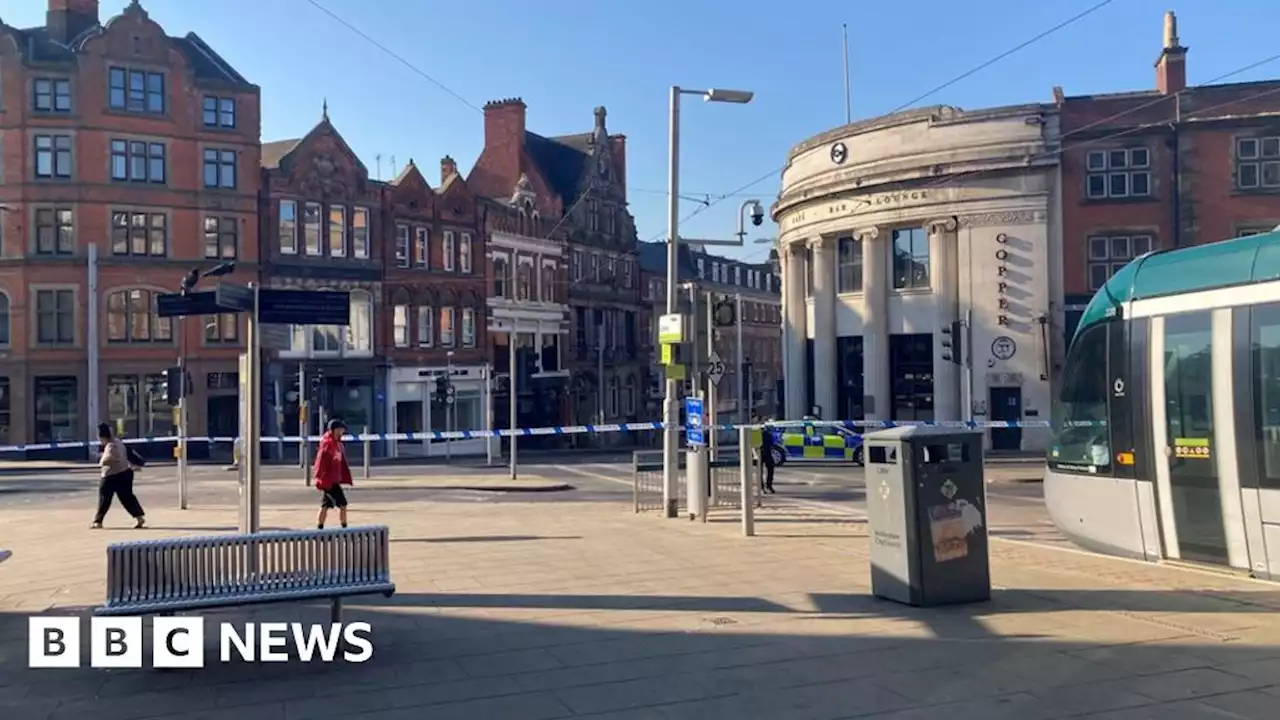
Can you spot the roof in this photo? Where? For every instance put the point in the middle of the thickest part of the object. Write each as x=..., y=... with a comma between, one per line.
x=273, y=152
x=561, y=160
x=1241, y=261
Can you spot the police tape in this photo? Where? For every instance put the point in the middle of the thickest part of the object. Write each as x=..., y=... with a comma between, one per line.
x=554, y=430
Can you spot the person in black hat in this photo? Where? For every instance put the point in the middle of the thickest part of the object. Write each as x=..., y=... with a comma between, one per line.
x=332, y=472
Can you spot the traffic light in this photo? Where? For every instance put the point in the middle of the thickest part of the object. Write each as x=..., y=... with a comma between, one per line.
x=173, y=385
x=953, y=343
x=442, y=388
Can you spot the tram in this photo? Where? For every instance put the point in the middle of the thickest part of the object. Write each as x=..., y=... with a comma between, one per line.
x=1167, y=422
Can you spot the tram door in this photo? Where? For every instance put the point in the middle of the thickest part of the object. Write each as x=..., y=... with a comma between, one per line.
x=1193, y=427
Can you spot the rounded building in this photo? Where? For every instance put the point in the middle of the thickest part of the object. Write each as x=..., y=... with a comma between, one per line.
x=903, y=236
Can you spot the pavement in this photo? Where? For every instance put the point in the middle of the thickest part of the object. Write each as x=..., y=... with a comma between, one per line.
x=564, y=605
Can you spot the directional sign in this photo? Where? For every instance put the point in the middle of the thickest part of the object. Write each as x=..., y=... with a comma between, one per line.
x=233, y=298
x=304, y=307
x=178, y=305
x=715, y=368
x=694, y=431
x=275, y=337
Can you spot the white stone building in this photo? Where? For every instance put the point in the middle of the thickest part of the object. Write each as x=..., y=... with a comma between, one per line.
x=893, y=228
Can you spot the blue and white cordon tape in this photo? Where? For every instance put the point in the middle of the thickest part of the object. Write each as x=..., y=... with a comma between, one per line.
x=555, y=430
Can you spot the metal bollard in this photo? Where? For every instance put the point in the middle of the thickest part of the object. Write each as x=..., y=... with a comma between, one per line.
x=368, y=452
x=747, y=479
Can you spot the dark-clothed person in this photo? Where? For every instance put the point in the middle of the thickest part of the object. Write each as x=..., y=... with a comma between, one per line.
x=767, y=446
x=117, y=478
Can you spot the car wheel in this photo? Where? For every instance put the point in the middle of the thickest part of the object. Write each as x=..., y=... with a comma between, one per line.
x=857, y=455
x=779, y=457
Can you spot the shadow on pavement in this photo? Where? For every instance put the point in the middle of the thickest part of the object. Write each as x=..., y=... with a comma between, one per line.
x=855, y=656
x=486, y=539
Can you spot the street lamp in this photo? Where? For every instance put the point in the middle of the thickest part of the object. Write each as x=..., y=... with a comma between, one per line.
x=670, y=446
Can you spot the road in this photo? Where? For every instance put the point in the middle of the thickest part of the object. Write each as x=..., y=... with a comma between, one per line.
x=1014, y=493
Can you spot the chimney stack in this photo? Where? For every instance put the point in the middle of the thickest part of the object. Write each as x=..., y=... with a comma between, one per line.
x=67, y=19
x=504, y=122
x=1171, y=67
x=448, y=168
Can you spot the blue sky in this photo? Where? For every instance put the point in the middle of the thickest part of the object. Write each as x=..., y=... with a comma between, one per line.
x=564, y=57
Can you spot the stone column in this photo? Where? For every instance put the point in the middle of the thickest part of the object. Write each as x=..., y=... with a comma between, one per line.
x=794, y=329
x=877, y=394
x=946, y=284
x=825, y=392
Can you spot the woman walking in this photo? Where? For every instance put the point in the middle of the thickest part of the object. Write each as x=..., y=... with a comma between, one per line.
x=332, y=472
x=117, y=478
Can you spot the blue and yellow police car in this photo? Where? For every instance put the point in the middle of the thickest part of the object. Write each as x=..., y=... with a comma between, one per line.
x=816, y=443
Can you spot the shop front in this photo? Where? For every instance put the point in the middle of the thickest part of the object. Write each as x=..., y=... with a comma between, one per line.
x=415, y=407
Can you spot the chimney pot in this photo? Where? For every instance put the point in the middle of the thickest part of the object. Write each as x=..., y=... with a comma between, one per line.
x=67, y=19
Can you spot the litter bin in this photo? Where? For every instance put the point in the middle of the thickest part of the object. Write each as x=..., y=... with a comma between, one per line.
x=926, y=516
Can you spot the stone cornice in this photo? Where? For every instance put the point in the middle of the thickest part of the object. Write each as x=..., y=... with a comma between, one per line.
x=1008, y=217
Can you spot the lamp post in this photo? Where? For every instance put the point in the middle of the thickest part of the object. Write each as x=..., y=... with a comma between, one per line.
x=670, y=416
x=189, y=282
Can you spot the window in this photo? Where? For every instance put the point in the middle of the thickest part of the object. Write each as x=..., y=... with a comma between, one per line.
x=1265, y=322
x=1119, y=173
x=131, y=318
x=593, y=215
x=219, y=111
x=223, y=328
x=57, y=409
x=354, y=340
x=464, y=254
x=1258, y=163
x=910, y=259
x=288, y=227
x=1108, y=254
x=422, y=247
x=53, y=156
x=136, y=91
x=139, y=233
x=220, y=168
x=360, y=233
x=448, y=251
x=502, y=276
x=446, y=327
x=401, y=326
x=311, y=227
x=577, y=266
x=611, y=221
x=426, y=326
x=849, y=265
x=468, y=327
x=548, y=282
x=55, y=232
x=51, y=95
x=402, y=245
x=524, y=280
x=702, y=268
x=1081, y=433
x=627, y=278
x=337, y=231
x=1246, y=232
x=5, y=322
x=137, y=161
x=140, y=405
x=593, y=267
x=737, y=275
x=55, y=317
x=220, y=237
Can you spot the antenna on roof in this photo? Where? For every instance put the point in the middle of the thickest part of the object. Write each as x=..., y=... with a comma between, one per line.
x=393, y=166
x=378, y=160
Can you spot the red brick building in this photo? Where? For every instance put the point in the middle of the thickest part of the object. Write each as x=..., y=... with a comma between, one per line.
x=1163, y=168
x=145, y=144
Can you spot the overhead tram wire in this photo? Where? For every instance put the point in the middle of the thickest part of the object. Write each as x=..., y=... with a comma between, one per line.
x=1021, y=46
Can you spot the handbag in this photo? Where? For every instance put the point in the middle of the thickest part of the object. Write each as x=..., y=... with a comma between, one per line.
x=134, y=458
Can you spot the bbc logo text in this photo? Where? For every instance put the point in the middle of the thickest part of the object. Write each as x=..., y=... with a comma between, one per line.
x=179, y=642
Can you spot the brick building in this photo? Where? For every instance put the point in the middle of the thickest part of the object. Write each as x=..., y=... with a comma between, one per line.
x=1163, y=168
x=580, y=181
x=145, y=144
x=434, y=292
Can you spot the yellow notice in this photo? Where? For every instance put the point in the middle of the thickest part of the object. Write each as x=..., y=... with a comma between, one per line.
x=1197, y=448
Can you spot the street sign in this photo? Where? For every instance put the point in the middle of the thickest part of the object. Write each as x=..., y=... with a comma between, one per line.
x=304, y=307
x=178, y=305
x=715, y=368
x=694, y=432
x=275, y=337
x=234, y=298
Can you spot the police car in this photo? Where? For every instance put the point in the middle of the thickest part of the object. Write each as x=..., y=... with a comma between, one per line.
x=816, y=442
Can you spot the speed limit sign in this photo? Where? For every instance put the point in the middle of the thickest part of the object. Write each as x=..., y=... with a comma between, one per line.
x=715, y=368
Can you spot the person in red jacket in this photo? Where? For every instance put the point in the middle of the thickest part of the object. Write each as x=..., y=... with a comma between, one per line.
x=332, y=472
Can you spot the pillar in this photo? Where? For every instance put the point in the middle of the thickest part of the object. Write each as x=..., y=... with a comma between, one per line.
x=794, y=329
x=822, y=250
x=875, y=324
x=943, y=277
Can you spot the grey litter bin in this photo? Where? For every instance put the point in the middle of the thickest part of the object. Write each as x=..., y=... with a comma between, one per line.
x=926, y=516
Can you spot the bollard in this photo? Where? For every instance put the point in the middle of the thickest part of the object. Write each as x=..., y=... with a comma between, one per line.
x=747, y=478
x=368, y=451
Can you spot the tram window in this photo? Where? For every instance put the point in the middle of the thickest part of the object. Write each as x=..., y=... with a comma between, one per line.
x=1082, y=435
x=1265, y=321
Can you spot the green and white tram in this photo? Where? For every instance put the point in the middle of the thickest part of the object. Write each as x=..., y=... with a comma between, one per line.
x=1167, y=424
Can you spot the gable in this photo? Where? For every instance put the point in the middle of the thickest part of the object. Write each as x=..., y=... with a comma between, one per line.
x=322, y=163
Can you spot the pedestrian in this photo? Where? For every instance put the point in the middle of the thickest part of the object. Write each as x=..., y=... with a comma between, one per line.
x=332, y=472
x=767, y=446
x=117, y=463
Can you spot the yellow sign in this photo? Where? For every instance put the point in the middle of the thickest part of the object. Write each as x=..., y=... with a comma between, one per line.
x=667, y=355
x=1197, y=448
x=675, y=372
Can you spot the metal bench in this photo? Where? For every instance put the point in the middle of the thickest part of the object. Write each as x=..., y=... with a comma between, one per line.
x=161, y=577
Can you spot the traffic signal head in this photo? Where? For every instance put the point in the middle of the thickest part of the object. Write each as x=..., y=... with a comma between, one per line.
x=442, y=387
x=173, y=385
x=953, y=343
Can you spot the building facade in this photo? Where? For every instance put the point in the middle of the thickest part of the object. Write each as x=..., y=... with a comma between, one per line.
x=528, y=298
x=435, y=285
x=322, y=224
x=892, y=229
x=142, y=147
x=1163, y=168
x=580, y=182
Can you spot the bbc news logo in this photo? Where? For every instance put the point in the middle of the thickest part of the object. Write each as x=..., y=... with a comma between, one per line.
x=178, y=642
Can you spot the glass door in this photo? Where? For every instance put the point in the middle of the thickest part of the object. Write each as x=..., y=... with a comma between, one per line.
x=1193, y=486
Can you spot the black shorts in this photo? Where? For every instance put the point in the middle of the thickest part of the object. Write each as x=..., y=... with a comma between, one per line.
x=333, y=498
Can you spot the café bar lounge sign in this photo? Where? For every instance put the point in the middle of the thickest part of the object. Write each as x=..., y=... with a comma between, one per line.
x=855, y=206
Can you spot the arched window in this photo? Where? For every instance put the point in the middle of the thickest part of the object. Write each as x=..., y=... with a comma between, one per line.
x=360, y=331
x=524, y=278
x=131, y=318
x=502, y=276
x=629, y=396
x=4, y=319
x=612, y=403
x=548, y=285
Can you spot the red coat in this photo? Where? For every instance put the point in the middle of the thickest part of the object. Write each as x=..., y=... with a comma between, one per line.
x=331, y=464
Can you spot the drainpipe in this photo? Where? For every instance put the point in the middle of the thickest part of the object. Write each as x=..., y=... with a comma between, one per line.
x=1176, y=170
